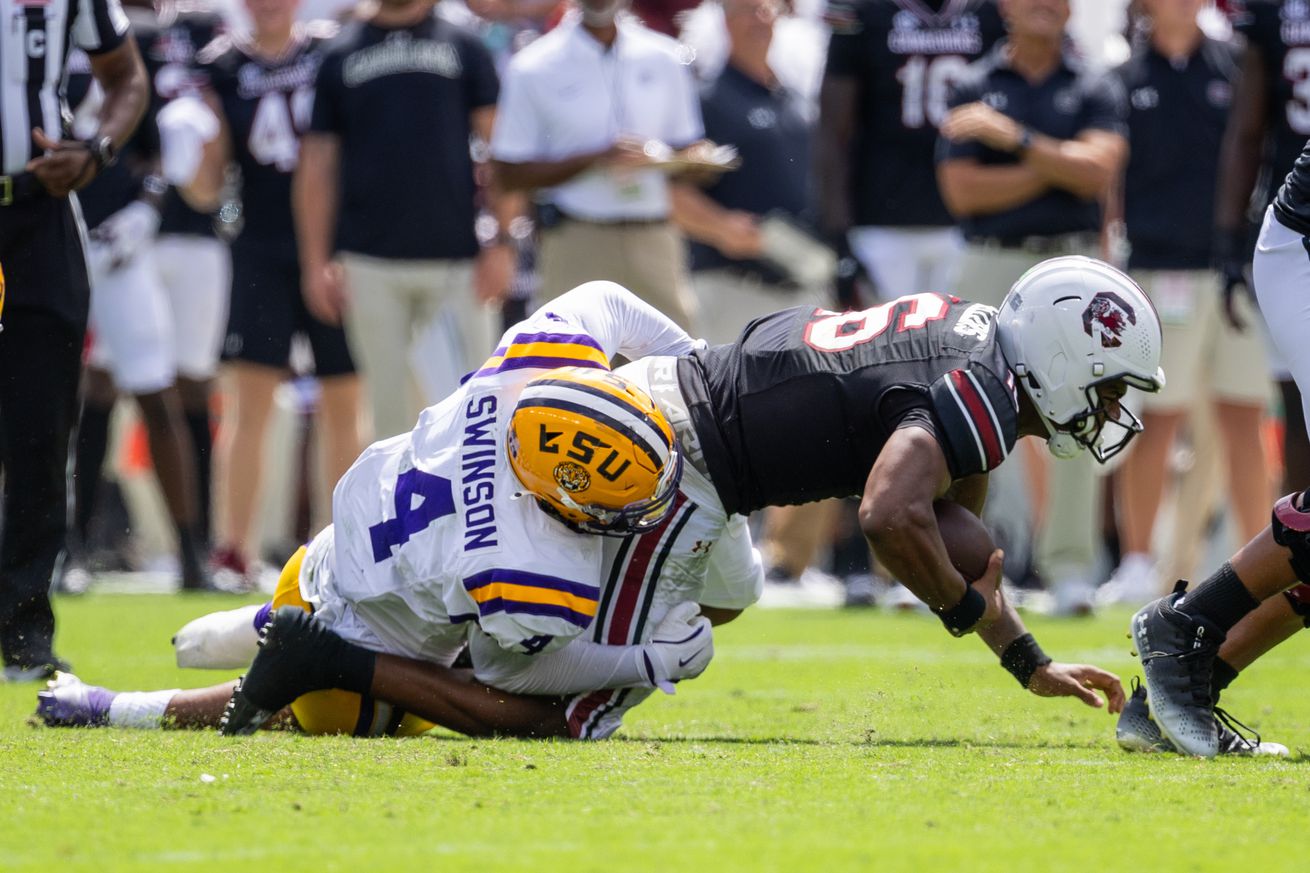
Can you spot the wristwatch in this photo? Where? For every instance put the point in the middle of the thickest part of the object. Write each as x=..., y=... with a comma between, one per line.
x=1025, y=140
x=102, y=149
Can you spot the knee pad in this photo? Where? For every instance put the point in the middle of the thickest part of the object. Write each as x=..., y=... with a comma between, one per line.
x=1291, y=530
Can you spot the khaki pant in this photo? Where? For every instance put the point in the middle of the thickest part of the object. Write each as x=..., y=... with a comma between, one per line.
x=1066, y=546
x=728, y=301
x=650, y=260
x=415, y=328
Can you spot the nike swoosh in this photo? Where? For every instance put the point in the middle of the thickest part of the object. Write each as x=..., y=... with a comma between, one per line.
x=682, y=662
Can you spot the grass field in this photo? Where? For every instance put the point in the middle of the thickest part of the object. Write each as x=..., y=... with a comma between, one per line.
x=816, y=741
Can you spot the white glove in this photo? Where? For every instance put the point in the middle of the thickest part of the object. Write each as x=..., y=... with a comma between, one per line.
x=123, y=233
x=219, y=641
x=185, y=126
x=681, y=647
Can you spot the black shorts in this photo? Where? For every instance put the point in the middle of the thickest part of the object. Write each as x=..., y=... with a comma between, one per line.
x=41, y=254
x=267, y=311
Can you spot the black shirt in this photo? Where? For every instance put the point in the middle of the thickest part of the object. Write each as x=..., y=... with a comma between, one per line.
x=772, y=133
x=903, y=54
x=267, y=106
x=1070, y=101
x=800, y=406
x=1292, y=202
x=400, y=101
x=1176, y=120
x=1280, y=30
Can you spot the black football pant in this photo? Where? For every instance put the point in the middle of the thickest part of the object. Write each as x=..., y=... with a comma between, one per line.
x=40, y=360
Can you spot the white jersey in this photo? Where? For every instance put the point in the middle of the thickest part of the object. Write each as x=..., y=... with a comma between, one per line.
x=430, y=532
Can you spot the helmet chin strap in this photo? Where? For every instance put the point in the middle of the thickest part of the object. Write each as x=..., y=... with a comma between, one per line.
x=1063, y=445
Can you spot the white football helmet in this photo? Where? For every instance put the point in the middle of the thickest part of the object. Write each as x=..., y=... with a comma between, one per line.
x=1069, y=325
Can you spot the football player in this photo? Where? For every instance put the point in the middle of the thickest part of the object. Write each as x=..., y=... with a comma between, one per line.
x=904, y=403
x=1193, y=644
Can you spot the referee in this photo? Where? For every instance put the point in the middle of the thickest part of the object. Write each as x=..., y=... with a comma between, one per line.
x=48, y=293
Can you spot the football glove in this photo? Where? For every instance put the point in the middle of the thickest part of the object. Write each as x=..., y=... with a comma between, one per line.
x=1231, y=262
x=681, y=647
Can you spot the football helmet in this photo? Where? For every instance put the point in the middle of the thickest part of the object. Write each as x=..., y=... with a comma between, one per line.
x=1069, y=326
x=594, y=451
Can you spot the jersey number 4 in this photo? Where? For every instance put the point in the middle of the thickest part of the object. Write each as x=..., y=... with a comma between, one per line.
x=843, y=331
x=421, y=498
x=280, y=119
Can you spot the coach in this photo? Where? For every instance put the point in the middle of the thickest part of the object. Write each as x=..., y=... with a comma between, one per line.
x=48, y=292
x=1032, y=142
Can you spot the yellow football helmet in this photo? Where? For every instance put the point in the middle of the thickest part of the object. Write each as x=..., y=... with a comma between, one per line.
x=595, y=451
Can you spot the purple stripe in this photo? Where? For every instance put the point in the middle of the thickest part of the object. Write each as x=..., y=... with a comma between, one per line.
x=538, y=362
x=534, y=580
x=262, y=617
x=499, y=604
x=462, y=617
x=576, y=339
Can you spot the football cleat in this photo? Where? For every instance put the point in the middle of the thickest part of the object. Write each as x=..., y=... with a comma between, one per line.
x=681, y=647
x=70, y=702
x=1177, y=653
x=595, y=451
x=46, y=667
x=1138, y=732
x=294, y=654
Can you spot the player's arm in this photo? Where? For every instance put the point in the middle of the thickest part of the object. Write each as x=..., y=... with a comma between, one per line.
x=897, y=518
x=839, y=98
x=204, y=192
x=621, y=322
x=970, y=492
x=314, y=206
x=969, y=187
x=1086, y=165
x=68, y=166
x=1243, y=142
x=495, y=263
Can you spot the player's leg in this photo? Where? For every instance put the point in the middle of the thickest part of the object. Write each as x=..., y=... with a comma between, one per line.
x=238, y=461
x=196, y=273
x=98, y=397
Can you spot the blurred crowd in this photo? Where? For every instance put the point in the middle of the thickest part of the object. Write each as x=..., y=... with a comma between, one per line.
x=428, y=172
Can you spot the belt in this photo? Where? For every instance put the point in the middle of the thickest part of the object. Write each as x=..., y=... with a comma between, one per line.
x=19, y=188
x=1061, y=244
x=613, y=222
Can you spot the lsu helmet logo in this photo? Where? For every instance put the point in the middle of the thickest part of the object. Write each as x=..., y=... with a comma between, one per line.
x=571, y=477
x=1106, y=317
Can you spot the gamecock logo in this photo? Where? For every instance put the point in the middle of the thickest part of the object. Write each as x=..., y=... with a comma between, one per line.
x=1106, y=317
x=571, y=477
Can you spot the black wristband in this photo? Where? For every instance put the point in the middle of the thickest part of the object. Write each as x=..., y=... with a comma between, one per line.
x=961, y=617
x=1022, y=658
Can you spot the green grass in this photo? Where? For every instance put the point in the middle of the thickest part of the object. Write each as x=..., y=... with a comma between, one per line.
x=816, y=741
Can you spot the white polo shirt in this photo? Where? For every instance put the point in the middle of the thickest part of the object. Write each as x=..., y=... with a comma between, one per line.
x=566, y=94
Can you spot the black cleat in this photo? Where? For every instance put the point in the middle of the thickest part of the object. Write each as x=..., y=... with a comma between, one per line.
x=1177, y=652
x=293, y=652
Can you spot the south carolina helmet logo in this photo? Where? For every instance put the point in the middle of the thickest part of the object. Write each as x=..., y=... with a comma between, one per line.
x=571, y=477
x=1106, y=318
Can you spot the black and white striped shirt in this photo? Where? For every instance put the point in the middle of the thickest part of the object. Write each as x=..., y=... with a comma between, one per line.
x=34, y=46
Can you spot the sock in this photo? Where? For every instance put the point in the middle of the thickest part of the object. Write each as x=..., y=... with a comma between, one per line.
x=92, y=444
x=140, y=709
x=1221, y=600
x=202, y=440
x=1221, y=677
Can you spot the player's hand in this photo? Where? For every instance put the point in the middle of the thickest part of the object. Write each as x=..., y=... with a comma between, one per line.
x=1081, y=681
x=325, y=292
x=493, y=271
x=1233, y=274
x=68, y=167
x=989, y=586
x=980, y=122
x=739, y=236
x=681, y=647
x=629, y=153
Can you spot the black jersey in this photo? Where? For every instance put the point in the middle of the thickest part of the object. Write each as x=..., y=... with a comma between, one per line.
x=169, y=51
x=1280, y=29
x=267, y=104
x=1292, y=202
x=904, y=54
x=801, y=405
